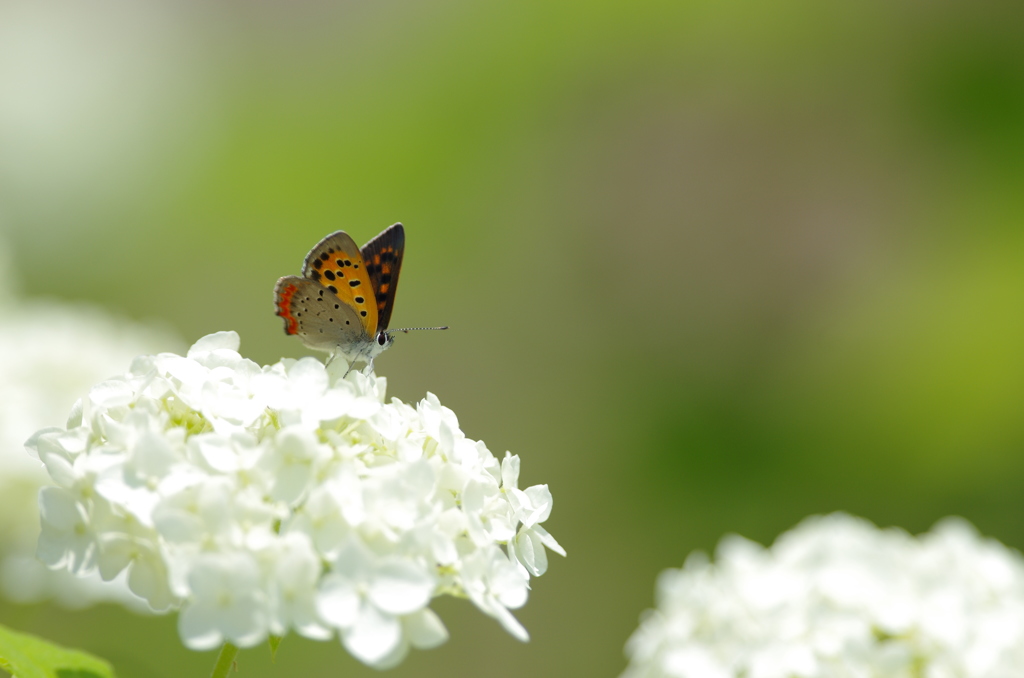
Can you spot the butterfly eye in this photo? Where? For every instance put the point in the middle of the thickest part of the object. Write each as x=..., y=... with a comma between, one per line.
x=382, y=338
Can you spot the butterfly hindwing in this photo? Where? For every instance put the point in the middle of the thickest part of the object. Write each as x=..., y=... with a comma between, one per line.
x=313, y=313
x=337, y=265
x=383, y=259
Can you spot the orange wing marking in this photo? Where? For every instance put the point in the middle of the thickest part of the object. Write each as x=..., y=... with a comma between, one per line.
x=344, y=275
x=284, y=307
x=384, y=266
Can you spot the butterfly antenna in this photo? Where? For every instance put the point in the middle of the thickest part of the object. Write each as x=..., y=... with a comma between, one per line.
x=407, y=330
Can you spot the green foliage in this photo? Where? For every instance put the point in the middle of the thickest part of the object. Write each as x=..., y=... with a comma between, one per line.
x=275, y=642
x=26, y=656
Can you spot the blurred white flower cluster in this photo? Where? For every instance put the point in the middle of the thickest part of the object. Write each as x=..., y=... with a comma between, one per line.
x=838, y=597
x=266, y=499
x=51, y=353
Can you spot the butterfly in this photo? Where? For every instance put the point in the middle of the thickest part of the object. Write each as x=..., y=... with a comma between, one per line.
x=342, y=303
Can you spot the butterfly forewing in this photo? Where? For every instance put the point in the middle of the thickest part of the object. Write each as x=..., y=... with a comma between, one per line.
x=313, y=313
x=337, y=264
x=383, y=259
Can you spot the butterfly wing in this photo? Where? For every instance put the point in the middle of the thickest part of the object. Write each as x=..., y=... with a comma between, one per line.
x=337, y=265
x=383, y=258
x=317, y=316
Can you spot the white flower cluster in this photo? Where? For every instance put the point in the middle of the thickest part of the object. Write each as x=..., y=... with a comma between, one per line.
x=838, y=597
x=289, y=497
x=50, y=354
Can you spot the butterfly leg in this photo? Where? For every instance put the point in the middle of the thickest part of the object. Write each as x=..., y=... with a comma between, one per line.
x=331, y=358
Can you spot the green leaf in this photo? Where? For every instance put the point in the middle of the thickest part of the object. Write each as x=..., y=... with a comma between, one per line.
x=25, y=656
x=275, y=642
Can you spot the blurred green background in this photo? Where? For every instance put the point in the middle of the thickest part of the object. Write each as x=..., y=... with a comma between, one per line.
x=709, y=267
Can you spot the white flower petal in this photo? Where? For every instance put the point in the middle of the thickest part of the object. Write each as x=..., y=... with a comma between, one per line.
x=197, y=630
x=338, y=601
x=373, y=636
x=216, y=450
x=510, y=623
x=528, y=550
x=398, y=587
x=510, y=471
x=424, y=629
x=148, y=578
x=548, y=540
x=537, y=507
x=59, y=509
x=110, y=394
x=228, y=340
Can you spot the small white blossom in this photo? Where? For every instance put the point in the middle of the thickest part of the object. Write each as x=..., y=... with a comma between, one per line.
x=259, y=500
x=532, y=507
x=365, y=596
x=838, y=597
x=228, y=601
x=496, y=584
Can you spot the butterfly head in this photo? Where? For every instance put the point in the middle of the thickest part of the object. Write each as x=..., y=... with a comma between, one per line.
x=383, y=340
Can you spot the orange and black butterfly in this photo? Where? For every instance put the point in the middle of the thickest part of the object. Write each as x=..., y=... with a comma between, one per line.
x=342, y=303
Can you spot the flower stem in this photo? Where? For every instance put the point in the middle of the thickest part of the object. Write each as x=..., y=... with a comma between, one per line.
x=225, y=660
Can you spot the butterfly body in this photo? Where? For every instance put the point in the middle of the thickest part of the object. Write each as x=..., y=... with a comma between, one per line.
x=342, y=303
